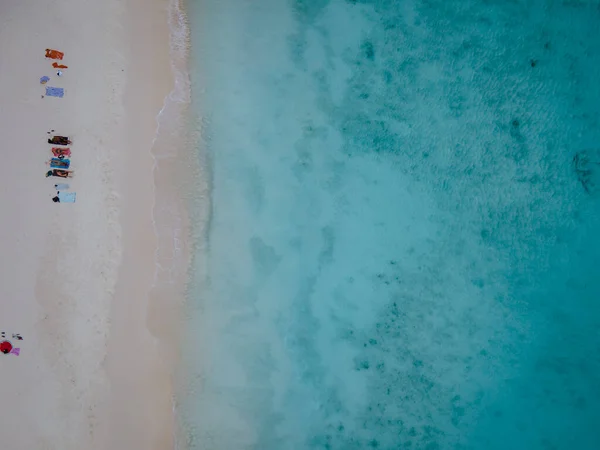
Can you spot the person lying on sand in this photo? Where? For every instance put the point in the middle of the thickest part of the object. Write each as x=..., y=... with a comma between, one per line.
x=61, y=152
x=59, y=173
x=59, y=140
x=59, y=163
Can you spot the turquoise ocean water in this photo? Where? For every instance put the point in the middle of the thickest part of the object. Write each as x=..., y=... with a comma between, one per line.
x=401, y=248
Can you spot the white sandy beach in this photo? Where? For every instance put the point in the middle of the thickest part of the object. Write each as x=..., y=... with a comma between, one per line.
x=75, y=278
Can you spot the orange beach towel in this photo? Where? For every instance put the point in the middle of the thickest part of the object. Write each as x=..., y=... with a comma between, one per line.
x=54, y=54
x=59, y=66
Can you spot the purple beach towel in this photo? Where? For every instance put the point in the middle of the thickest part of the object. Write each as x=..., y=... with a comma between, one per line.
x=54, y=92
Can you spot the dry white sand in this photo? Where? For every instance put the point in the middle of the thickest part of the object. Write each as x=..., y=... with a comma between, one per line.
x=75, y=278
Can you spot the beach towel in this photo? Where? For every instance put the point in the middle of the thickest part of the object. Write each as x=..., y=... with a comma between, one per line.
x=58, y=163
x=66, y=197
x=59, y=66
x=54, y=54
x=54, y=92
x=61, y=152
x=15, y=351
x=44, y=79
x=59, y=173
x=61, y=186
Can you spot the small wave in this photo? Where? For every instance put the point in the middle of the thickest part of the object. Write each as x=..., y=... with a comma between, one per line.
x=179, y=47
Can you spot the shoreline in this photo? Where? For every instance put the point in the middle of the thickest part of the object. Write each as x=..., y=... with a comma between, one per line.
x=159, y=238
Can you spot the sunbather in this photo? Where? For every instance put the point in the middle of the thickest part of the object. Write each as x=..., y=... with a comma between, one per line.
x=59, y=163
x=59, y=66
x=61, y=152
x=59, y=173
x=59, y=140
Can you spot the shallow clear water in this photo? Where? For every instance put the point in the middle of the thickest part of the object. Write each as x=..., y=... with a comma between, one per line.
x=400, y=252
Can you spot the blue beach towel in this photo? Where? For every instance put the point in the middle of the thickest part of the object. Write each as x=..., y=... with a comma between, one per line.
x=57, y=163
x=61, y=187
x=54, y=92
x=44, y=79
x=66, y=197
